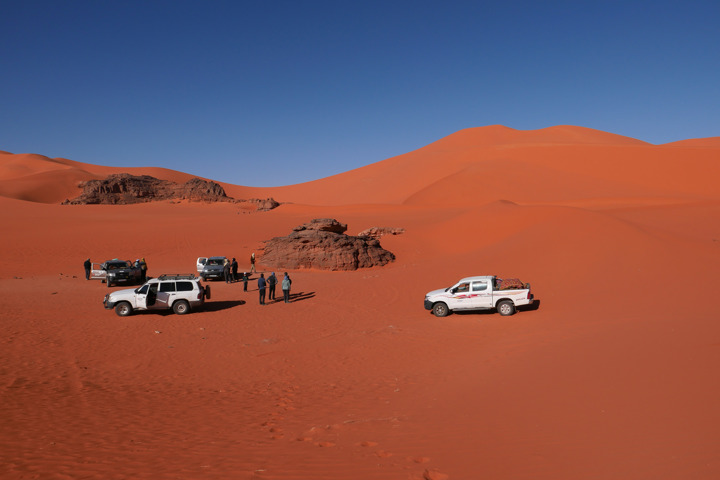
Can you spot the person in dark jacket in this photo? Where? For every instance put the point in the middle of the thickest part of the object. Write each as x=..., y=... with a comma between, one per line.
x=234, y=270
x=261, y=288
x=88, y=268
x=245, y=280
x=143, y=269
x=271, y=281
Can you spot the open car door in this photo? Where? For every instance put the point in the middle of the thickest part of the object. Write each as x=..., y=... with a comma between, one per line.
x=146, y=296
x=97, y=272
x=201, y=261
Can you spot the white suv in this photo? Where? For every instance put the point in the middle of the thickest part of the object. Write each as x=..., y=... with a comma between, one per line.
x=177, y=292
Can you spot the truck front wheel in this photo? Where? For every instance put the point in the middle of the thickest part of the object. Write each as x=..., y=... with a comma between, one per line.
x=440, y=310
x=506, y=308
x=123, y=309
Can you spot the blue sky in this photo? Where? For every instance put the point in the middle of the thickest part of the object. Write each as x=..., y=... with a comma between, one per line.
x=268, y=93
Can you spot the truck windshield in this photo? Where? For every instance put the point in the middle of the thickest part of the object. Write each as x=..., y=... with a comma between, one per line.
x=117, y=265
x=216, y=261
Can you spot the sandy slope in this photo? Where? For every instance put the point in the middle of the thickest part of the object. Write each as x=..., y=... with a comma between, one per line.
x=37, y=178
x=613, y=376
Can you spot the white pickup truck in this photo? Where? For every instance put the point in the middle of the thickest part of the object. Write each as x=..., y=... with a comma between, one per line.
x=480, y=293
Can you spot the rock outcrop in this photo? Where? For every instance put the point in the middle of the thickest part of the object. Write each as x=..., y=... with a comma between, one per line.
x=377, y=232
x=263, y=204
x=322, y=244
x=124, y=188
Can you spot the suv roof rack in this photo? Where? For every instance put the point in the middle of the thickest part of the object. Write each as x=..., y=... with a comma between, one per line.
x=177, y=276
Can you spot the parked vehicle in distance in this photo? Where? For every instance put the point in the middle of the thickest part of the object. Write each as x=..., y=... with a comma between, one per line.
x=480, y=293
x=180, y=293
x=211, y=267
x=116, y=271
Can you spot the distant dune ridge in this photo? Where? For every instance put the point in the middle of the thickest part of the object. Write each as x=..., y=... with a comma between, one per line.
x=612, y=375
x=491, y=163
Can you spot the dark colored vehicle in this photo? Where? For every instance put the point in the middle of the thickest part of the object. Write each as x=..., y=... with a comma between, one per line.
x=121, y=272
x=211, y=267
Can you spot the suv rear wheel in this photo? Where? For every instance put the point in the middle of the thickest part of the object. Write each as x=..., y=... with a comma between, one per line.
x=181, y=307
x=506, y=308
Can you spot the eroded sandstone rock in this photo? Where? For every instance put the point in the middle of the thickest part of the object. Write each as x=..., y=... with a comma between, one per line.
x=264, y=204
x=322, y=244
x=123, y=188
x=377, y=232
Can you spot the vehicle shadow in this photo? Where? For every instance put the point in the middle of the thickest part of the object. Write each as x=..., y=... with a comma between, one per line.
x=521, y=308
x=208, y=306
x=211, y=306
x=529, y=308
x=463, y=313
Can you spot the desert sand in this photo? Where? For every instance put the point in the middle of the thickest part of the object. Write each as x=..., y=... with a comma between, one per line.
x=612, y=376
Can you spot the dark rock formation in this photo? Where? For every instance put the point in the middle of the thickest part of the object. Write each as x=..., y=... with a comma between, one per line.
x=124, y=188
x=377, y=232
x=264, y=204
x=203, y=190
x=322, y=225
x=322, y=244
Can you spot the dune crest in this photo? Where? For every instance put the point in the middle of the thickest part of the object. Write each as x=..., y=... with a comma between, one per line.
x=473, y=155
x=712, y=142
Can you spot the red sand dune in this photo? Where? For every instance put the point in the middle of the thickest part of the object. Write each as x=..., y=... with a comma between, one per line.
x=52, y=180
x=613, y=376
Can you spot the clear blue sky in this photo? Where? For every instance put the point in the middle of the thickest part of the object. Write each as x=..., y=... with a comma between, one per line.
x=276, y=92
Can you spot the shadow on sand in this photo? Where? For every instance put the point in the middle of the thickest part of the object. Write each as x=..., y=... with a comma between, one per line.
x=294, y=297
x=208, y=306
x=522, y=308
x=298, y=297
x=211, y=306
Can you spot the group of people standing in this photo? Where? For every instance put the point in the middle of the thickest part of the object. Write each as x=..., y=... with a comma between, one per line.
x=265, y=285
x=142, y=265
x=230, y=271
x=270, y=284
